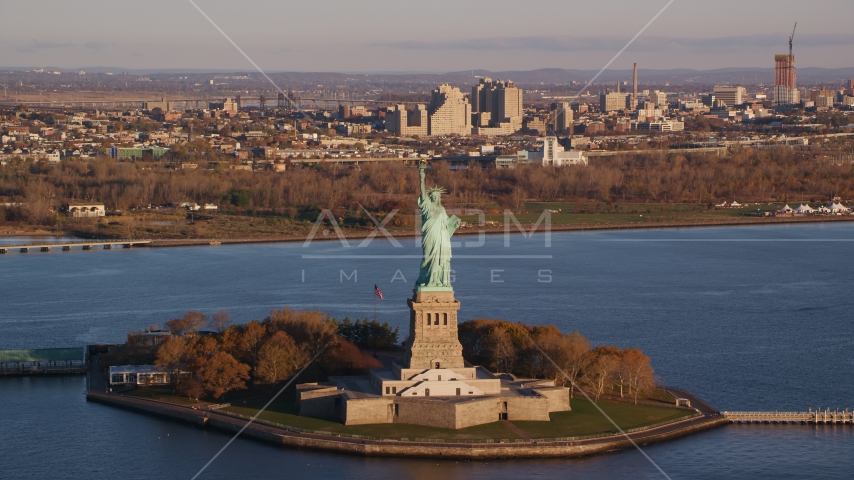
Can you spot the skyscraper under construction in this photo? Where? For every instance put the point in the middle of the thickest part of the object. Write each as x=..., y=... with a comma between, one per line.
x=785, y=80
x=785, y=77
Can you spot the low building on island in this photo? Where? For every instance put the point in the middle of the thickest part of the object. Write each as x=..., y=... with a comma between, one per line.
x=138, y=375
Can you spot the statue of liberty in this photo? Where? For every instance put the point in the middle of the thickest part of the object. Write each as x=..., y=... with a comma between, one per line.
x=436, y=229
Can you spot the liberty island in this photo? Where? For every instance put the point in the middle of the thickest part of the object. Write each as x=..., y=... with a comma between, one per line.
x=452, y=408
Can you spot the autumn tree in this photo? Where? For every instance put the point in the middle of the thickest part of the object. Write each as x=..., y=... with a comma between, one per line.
x=229, y=340
x=499, y=347
x=480, y=345
x=223, y=373
x=348, y=358
x=566, y=355
x=250, y=341
x=575, y=348
x=189, y=324
x=220, y=320
x=171, y=357
x=601, y=366
x=191, y=387
x=279, y=358
x=200, y=350
x=313, y=329
x=546, y=354
x=638, y=371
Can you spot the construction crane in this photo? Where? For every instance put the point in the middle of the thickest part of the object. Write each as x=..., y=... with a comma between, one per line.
x=792, y=39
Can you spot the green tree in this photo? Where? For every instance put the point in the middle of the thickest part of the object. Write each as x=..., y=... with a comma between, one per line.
x=369, y=333
x=238, y=197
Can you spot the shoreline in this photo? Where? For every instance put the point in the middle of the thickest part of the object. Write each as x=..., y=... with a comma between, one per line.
x=364, y=233
x=707, y=419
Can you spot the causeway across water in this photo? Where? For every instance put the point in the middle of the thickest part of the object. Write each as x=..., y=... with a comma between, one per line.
x=810, y=417
x=66, y=246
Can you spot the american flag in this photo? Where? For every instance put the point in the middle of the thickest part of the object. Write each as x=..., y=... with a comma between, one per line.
x=378, y=292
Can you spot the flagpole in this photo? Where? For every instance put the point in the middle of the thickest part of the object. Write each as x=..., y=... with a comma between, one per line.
x=375, y=303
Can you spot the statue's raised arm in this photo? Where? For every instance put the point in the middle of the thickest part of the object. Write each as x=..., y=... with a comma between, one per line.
x=422, y=198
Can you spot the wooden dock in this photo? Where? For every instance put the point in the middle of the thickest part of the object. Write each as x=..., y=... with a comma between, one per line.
x=67, y=246
x=811, y=417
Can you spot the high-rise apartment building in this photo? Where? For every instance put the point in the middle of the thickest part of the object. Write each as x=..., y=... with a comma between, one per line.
x=785, y=81
x=402, y=122
x=562, y=118
x=659, y=99
x=496, y=105
x=614, y=101
x=344, y=111
x=822, y=92
x=732, y=96
x=648, y=110
x=449, y=112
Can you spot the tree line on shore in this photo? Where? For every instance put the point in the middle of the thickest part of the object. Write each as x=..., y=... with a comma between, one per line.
x=207, y=356
x=533, y=351
x=212, y=363
x=748, y=175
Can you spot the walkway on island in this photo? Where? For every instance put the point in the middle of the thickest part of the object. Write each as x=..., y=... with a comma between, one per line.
x=210, y=416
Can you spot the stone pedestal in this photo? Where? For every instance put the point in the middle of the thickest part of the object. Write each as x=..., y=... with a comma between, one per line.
x=433, y=342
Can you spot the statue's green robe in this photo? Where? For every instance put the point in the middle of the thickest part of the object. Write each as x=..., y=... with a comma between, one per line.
x=436, y=229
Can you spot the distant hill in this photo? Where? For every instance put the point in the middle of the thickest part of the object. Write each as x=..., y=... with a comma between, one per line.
x=550, y=76
x=746, y=76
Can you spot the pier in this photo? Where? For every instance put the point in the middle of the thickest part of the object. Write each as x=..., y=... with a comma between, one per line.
x=811, y=417
x=43, y=361
x=67, y=246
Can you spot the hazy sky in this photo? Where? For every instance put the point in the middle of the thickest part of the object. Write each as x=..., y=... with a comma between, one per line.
x=430, y=36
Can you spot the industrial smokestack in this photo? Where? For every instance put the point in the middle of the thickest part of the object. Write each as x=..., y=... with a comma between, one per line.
x=635, y=88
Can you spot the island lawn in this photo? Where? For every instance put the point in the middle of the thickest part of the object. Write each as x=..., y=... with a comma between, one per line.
x=163, y=394
x=584, y=419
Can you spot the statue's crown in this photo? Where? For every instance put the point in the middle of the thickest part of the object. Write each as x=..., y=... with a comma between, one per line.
x=436, y=190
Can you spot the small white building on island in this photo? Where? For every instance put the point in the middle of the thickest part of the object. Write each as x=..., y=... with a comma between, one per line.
x=138, y=375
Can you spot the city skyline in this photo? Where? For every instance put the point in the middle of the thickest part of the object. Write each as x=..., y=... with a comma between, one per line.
x=388, y=37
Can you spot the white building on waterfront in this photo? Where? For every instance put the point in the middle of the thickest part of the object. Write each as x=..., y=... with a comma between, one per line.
x=138, y=375
x=85, y=210
x=553, y=154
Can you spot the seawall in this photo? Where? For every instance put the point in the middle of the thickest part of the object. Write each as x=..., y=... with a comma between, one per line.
x=372, y=447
